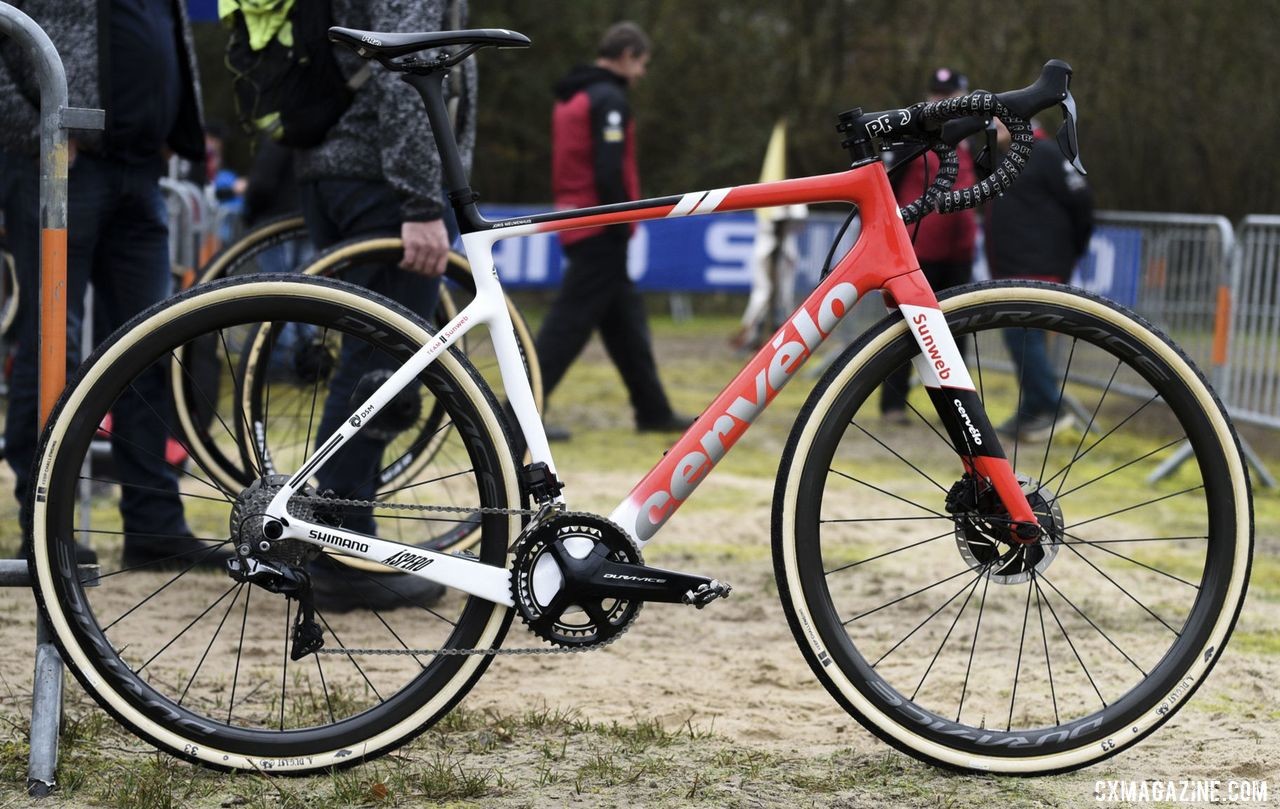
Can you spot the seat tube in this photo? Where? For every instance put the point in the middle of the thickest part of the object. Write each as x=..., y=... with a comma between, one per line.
x=946, y=378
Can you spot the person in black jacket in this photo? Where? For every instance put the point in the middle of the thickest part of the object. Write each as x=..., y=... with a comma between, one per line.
x=593, y=162
x=134, y=59
x=1038, y=230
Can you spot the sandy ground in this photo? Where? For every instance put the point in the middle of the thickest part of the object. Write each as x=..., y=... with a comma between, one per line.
x=734, y=671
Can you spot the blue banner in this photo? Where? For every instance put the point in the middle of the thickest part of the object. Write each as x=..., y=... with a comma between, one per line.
x=1113, y=266
x=689, y=254
x=202, y=10
x=713, y=254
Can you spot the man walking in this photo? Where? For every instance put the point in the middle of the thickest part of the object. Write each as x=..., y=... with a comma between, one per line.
x=593, y=162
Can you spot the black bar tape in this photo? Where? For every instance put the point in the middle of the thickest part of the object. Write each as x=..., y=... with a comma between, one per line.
x=948, y=169
x=985, y=104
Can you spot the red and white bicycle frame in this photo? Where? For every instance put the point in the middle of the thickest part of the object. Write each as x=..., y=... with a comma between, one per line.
x=882, y=259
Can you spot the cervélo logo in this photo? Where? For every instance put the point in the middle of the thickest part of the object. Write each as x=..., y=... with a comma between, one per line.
x=728, y=417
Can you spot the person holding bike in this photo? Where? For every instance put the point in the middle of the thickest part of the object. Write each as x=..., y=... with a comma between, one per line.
x=377, y=173
x=593, y=162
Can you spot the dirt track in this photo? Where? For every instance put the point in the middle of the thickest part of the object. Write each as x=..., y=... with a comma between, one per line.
x=733, y=671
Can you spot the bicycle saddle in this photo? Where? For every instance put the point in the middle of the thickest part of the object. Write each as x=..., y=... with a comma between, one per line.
x=391, y=45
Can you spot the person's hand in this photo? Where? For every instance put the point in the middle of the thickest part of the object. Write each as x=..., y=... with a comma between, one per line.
x=426, y=247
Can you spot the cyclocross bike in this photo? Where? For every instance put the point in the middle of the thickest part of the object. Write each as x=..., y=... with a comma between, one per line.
x=980, y=603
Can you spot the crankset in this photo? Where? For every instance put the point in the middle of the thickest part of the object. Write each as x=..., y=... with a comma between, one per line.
x=579, y=581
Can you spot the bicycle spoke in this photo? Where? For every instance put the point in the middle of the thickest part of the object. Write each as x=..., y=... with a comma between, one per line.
x=920, y=625
x=1084, y=435
x=1017, y=413
x=881, y=519
x=888, y=553
x=1066, y=470
x=1089, y=620
x=284, y=669
x=235, y=676
x=977, y=628
x=213, y=408
x=315, y=391
x=1142, y=457
x=1057, y=410
x=193, y=622
x=1017, y=666
x=895, y=454
x=945, y=441
x=212, y=640
x=142, y=488
x=972, y=588
x=1133, y=507
x=117, y=437
x=244, y=420
x=163, y=587
x=1079, y=541
x=905, y=597
x=342, y=644
x=1101, y=572
x=890, y=494
x=1067, y=637
x=324, y=686
x=1053, y=692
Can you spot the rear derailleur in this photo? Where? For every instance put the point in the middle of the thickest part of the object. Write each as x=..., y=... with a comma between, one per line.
x=291, y=581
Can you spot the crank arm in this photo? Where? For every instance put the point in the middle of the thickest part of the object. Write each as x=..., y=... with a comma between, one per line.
x=471, y=576
x=599, y=577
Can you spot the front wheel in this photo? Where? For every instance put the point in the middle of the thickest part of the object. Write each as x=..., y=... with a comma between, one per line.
x=898, y=577
x=201, y=663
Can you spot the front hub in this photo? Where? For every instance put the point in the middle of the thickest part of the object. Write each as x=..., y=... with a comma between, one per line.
x=983, y=536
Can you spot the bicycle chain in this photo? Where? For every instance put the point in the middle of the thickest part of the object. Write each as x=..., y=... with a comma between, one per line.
x=338, y=501
x=523, y=512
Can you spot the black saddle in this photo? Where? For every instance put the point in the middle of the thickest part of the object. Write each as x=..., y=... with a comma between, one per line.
x=384, y=46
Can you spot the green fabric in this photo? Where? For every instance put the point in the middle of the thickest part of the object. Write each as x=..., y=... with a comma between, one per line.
x=265, y=20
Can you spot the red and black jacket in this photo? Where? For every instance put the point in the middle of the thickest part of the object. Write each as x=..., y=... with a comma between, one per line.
x=593, y=147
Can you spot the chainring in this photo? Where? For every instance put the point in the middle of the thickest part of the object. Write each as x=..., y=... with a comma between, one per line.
x=544, y=598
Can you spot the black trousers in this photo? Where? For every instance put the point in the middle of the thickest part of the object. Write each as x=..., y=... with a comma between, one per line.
x=597, y=294
x=941, y=275
x=335, y=210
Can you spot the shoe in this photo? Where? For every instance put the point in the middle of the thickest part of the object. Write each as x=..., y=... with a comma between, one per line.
x=1035, y=429
x=175, y=552
x=338, y=588
x=557, y=435
x=554, y=434
x=672, y=423
x=896, y=416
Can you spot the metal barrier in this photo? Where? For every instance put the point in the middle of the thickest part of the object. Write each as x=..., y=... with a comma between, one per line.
x=1183, y=267
x=1251, y=386
x=56, y=118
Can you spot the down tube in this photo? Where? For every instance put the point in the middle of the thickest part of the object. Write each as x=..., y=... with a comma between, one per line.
x=655, y=498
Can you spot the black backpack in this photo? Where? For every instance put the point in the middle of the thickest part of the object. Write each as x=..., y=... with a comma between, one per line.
x=291, y=87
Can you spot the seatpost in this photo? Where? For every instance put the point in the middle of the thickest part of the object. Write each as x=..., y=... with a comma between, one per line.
x=430, y=85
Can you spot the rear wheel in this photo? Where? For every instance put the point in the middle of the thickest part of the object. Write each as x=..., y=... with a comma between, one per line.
x=199, y=663
x=901, y=585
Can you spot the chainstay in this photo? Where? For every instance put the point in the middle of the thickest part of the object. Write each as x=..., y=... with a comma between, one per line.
x=336, y=501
